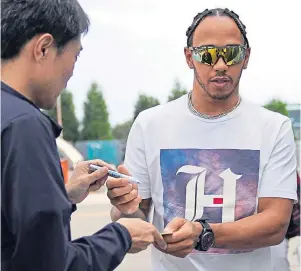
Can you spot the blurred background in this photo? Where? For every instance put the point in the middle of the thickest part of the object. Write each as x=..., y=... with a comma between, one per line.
x=133, y=59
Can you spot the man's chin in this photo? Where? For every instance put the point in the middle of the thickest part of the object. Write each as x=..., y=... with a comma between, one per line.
x=220, y=95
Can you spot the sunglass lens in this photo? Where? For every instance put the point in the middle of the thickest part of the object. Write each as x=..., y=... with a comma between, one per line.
x=234, y=55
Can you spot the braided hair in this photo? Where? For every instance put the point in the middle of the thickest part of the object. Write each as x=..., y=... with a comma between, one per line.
x=215, y=12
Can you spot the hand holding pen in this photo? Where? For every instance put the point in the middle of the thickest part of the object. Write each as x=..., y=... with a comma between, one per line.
x=83, y=181
x=123, y=192
x=116, y=174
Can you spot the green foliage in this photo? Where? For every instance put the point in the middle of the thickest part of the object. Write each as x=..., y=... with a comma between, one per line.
x=277, y=106
x=144, y=102
x=177, y=91
x=96, y=124
x=121, y=131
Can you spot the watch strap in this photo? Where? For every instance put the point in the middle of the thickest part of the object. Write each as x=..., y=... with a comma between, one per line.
x=205, y=225
x=206, y=228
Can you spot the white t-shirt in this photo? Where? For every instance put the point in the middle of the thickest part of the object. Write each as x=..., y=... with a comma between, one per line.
x=191, y=166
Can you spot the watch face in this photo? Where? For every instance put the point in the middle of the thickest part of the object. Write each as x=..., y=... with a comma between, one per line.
x=207, y=240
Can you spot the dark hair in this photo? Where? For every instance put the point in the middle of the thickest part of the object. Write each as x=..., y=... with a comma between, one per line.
x=21, y=20
x=215, y=12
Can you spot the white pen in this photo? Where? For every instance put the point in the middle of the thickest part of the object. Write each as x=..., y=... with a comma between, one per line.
x=116, y=174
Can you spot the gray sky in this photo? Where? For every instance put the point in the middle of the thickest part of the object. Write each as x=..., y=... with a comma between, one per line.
x=136, y=46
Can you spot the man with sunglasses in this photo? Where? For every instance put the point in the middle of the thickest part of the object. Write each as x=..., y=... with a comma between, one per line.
x=219, y=171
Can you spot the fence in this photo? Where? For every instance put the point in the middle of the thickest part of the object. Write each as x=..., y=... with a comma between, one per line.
x=110, y=151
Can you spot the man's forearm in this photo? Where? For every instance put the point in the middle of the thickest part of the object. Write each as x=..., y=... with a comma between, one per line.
x=260, y=230
x=116, y=214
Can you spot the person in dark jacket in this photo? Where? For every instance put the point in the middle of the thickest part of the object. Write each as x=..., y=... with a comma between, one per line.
x=39, y=47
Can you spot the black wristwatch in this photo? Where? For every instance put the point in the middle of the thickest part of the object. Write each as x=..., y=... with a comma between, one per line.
x=206, y=238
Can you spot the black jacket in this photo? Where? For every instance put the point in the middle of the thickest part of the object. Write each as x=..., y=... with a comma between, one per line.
x=35, y=209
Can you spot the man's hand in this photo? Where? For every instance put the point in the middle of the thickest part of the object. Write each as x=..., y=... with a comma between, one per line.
x=183, y=238
x=123, y=195
x=143, y=234
x=83, y=181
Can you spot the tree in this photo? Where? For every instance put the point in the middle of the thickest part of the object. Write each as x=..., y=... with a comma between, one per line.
x=277, y=106
x=121, y=131
x=177, y=91
x=70, y=122
x=144, y=102
x=96, y=124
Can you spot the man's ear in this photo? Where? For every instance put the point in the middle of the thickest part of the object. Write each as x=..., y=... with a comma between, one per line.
x=188, y=56
x=42, y=46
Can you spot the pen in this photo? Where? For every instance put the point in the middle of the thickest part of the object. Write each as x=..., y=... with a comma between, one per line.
x=116, y=174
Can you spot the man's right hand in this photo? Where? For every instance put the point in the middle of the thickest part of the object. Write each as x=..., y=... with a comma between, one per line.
x=123, y=195
x=143, y=234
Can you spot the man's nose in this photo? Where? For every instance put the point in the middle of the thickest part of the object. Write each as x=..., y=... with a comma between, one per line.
x=220, y=65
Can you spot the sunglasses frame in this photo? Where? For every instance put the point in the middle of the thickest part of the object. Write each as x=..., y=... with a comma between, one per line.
x=203, y=47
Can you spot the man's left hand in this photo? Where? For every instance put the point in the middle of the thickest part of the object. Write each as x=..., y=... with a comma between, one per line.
x=83, y=182
x=183, y=238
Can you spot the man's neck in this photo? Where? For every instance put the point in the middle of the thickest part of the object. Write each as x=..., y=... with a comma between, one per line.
x=204, y=104
x=14, y=76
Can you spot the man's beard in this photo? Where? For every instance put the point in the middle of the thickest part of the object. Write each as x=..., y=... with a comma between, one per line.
x=211, y=95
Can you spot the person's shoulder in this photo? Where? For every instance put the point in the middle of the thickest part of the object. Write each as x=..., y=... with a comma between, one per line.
x=14, y=110
x=263, y=115
x=29, y=123
x=24, y=118
x=162, y=111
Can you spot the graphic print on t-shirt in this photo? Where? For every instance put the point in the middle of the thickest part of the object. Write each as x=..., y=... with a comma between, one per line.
x=218, y=184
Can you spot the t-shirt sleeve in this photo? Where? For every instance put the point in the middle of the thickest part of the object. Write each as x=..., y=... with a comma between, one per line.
x=135, y=158
x=279, y=178
x=36, y=209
